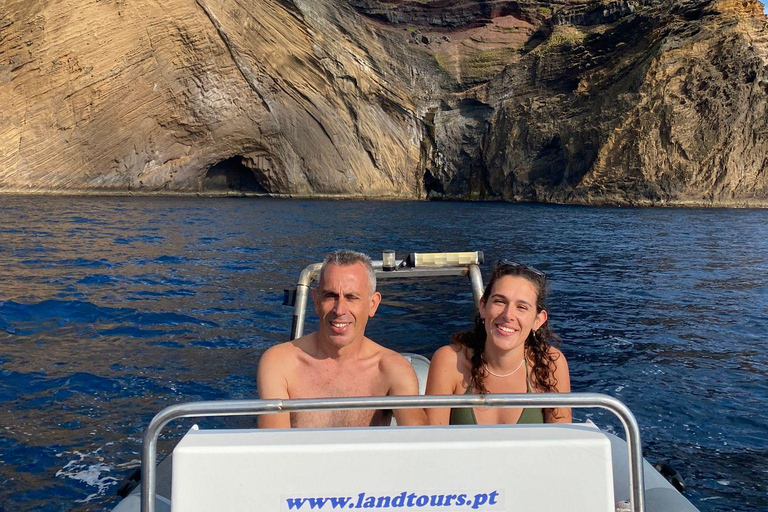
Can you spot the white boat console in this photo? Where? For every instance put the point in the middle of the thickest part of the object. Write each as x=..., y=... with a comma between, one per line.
x=486, y=468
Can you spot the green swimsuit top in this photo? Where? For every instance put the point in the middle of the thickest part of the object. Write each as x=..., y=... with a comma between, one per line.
x=466, y=415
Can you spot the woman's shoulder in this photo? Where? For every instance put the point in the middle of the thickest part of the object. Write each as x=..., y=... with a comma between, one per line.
x=554, y=359
x=554, y=353
x=448, y=371
x=446, y=353
x=453, y=351
x=452, y=355
x=557, y=357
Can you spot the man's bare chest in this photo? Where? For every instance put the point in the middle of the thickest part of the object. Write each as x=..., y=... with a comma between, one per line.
x=320, y=383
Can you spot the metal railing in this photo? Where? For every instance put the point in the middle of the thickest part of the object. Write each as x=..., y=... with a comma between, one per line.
x=311, y=272
x=523, y=400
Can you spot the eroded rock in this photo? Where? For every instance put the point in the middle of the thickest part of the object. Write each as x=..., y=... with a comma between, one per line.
x=628, y=102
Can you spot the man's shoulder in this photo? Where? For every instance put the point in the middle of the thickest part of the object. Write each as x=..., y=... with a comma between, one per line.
x=397, y=372
x=287, y=351
x=389, y=360
x=279, y=350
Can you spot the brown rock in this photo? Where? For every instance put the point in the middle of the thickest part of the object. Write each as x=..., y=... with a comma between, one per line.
x=134, y=95
x=647, y=102
x=650, y=108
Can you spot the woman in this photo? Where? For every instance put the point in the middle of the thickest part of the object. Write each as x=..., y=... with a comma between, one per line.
x=509, y=350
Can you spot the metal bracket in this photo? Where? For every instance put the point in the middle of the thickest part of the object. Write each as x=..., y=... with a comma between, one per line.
x=289, y=297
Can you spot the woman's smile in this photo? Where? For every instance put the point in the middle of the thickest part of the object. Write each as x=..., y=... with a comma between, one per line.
x=507, y=331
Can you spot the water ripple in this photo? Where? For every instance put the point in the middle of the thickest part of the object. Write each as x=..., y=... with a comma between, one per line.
x=113, y=308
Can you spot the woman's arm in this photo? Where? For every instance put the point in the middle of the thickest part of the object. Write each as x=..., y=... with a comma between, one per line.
x=563, y=385
x=443, y=375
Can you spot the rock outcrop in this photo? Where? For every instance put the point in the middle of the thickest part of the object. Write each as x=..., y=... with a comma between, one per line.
x=207, y=95
x=647, y=102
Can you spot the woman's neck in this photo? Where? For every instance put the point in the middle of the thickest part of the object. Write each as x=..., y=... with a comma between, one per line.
x=503, y=361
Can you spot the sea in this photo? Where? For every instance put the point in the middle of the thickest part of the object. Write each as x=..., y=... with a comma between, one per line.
x=113, y=308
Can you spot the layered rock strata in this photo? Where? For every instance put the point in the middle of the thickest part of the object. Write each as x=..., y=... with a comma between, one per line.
x=184, y=95
x=648, y=102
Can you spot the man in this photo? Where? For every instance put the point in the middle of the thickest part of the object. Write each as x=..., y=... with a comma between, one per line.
x=338, y=360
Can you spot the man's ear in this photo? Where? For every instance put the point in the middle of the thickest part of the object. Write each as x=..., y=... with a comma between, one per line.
x=375, y=301
x=541, y=317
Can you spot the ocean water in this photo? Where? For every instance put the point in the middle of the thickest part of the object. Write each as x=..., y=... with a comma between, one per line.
x=114, y=308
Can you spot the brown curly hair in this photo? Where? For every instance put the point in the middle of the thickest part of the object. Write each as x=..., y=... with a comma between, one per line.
x=536, y=345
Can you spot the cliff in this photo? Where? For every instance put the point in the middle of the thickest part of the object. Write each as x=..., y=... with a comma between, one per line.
x=648, y=102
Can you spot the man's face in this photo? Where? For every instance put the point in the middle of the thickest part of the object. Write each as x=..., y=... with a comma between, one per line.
x=344, y=302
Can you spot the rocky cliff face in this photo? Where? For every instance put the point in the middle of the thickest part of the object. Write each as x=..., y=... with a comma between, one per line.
x=648, y=102
x=184, y=95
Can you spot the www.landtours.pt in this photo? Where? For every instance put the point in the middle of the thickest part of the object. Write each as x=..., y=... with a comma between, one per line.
x=402, y=500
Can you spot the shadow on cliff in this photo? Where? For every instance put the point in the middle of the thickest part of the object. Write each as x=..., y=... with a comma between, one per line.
x=232, y=175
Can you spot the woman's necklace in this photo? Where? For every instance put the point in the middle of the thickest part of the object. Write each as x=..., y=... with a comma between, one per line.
x=485, y=365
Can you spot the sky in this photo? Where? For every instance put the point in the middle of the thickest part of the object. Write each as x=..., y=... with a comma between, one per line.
x=765, y=8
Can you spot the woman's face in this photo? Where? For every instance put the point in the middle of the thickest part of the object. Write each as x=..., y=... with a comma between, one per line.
x=510, y=312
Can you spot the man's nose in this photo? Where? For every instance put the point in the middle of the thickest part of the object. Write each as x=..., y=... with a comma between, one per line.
x=341, y=306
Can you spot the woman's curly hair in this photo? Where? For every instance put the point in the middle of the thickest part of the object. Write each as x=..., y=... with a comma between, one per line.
x=536, y=345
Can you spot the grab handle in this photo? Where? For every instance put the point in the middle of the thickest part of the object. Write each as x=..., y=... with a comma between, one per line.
x=522, y=400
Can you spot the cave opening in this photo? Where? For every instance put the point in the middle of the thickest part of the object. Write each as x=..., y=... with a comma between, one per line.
x=432, y=186
x=232, y=175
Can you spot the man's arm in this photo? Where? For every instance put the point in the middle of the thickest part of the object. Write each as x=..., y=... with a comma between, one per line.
x=272, y=383
x=404, y=382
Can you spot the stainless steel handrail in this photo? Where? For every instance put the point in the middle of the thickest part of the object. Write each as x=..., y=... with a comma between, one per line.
x=524, y=400
x=302, y=296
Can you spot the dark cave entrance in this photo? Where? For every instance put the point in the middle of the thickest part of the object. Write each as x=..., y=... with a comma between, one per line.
x=233, y=175
x=432, y=186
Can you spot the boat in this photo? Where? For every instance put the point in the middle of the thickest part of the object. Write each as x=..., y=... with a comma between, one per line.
x=574, y=467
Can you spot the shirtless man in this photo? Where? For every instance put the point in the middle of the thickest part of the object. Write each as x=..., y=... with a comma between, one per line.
x=338, y=360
